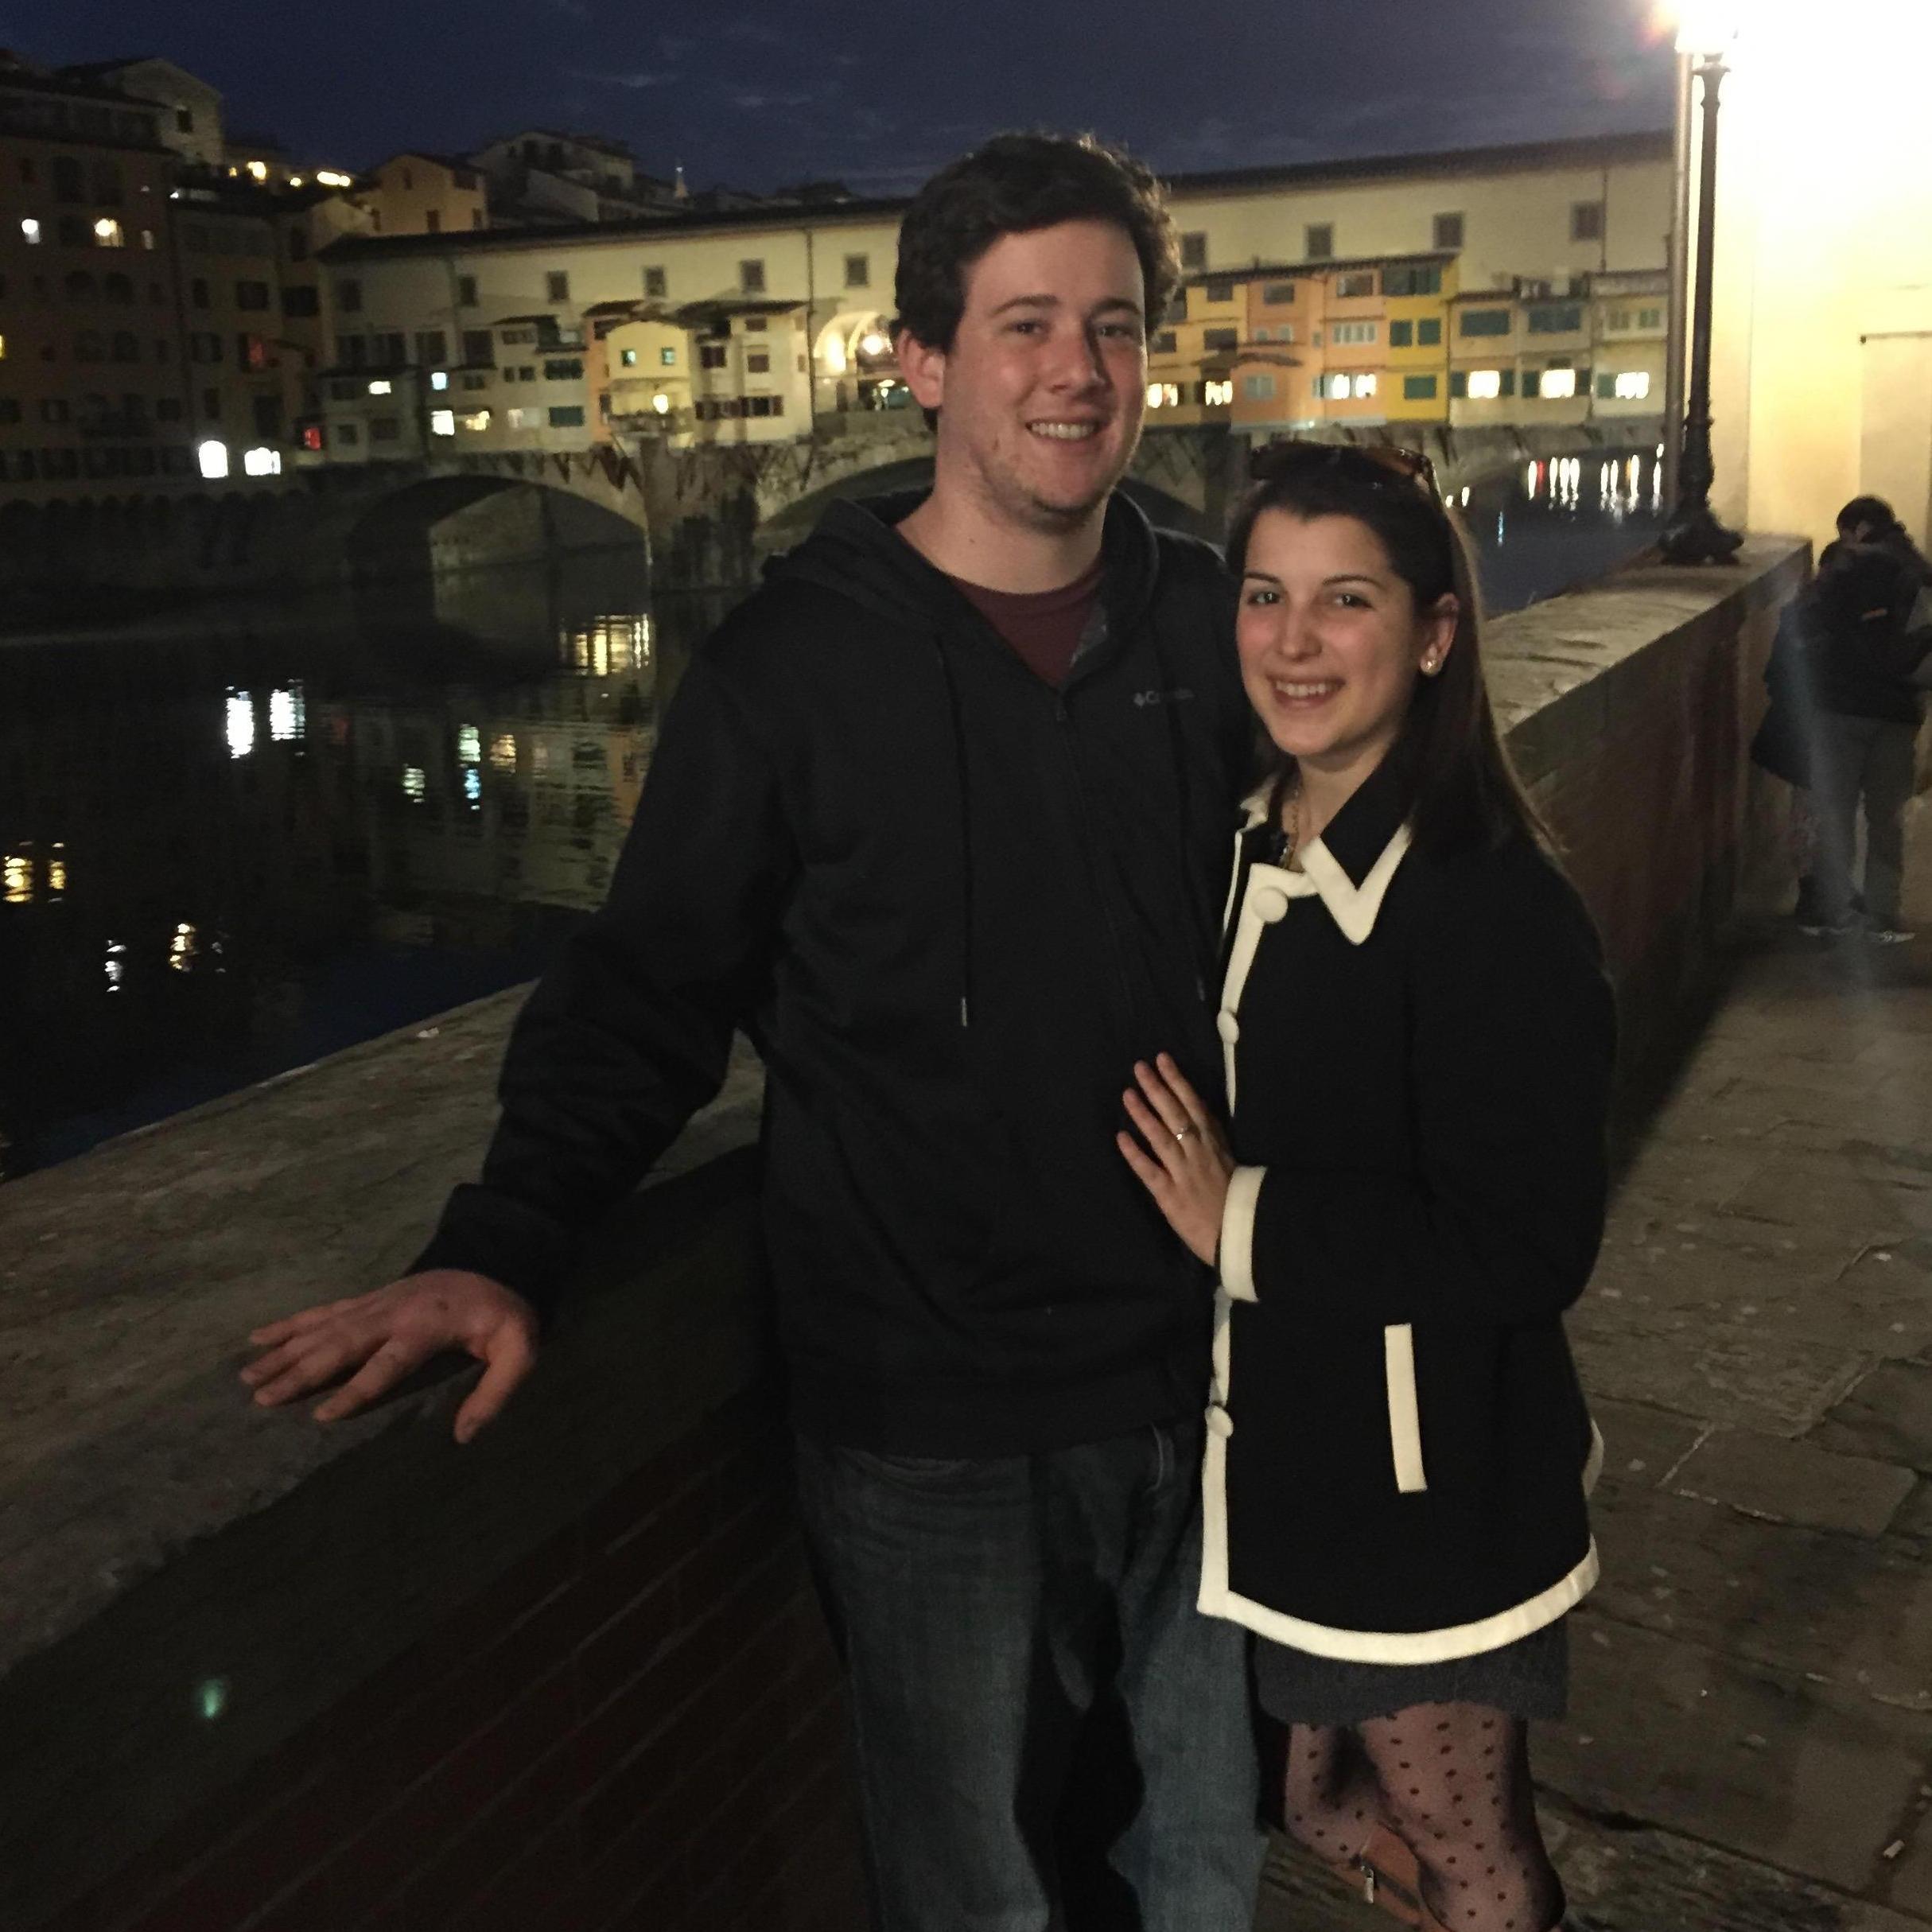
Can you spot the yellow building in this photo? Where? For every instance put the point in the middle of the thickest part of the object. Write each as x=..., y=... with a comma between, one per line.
x=638, y=365
x=425, y=194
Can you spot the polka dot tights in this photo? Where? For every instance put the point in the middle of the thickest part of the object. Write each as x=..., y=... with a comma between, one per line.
x=1452, y=1780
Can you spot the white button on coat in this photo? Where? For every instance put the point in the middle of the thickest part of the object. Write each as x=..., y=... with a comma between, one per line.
x=1270, y=902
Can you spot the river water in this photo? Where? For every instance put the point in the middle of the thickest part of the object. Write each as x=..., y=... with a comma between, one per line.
x=234, y=841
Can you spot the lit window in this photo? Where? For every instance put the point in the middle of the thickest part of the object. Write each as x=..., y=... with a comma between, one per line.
x=30, y=230
x=261, y=462
x=442, y=422
x=286, y=713
x=382, y=388
x=2, y=349
x=183, y=947
x=213, y=458
x=520, y=418
x=1364, y=385
x=116, y=964
x=16, y=875
x=476, y=421
x=240, y=724
x=1333, y=388
x=415, y=782
x=469, y=743
x=629, y=358
x=56, y=873
x=503, y=752
x=108, y=232
x=1217, y=395
x=439, y=378
x=1485, y=385
x=1633, y=385
x=661, y=403
x=472, y=786
x=1557, y=383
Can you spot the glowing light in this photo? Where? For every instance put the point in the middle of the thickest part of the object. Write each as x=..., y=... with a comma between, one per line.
x=1365, y=386
x=213, y=458
x=259, y=169
x=503, y=752
x=1556, y=383
x=183, y=949
x=329, y=178
x=30, y=230
x=56, y=873
x=16, y=878
x=472, y=785
x=872, y=344
x=108, y=232
x=1216, y=394
x=835, y=361
x=240, y=724
x=1485, y=385
x=476, y=420
x=295, y=180
x=115, y=966
x=287, y=714
x=469, y=744
x=442, y=422
x=1633, y=385
x=1531, y=477
x=1465, y=502
x=261, y=462
x=1707, y=27
x=661, y=403
x=211, y=1699
x=415, y=782
x=382, y=387
x=439, y=378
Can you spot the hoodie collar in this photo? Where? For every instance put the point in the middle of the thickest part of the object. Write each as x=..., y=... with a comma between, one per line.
x=1351, y=864
x=857, y=550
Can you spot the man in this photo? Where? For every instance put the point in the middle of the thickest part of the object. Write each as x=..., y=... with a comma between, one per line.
x=1864, y=657
x=941, y=817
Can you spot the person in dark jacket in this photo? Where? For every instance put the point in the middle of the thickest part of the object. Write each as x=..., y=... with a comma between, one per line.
x=1864, y=652
x=1418, y=1036
x=939, y=817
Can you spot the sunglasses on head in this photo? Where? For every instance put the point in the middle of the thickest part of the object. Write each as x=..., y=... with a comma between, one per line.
x=1294, y=455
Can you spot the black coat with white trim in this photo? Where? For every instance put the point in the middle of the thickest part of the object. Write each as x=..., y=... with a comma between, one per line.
x=1418, y=1058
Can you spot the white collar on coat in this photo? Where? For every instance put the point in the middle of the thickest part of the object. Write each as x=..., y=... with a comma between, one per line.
x=1353, y=907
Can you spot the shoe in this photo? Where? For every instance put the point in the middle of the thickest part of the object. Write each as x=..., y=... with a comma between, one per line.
x=1385, y=1873
x=1886, y=935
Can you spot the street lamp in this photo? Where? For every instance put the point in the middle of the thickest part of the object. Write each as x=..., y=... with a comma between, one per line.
x=1693, y=535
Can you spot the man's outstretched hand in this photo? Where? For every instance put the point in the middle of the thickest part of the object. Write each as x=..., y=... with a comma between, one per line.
x=387, y=1335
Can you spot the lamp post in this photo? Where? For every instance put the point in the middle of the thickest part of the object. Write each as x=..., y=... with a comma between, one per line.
x=1693, y=535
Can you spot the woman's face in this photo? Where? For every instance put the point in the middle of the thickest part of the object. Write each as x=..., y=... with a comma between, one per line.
x=1331, y=641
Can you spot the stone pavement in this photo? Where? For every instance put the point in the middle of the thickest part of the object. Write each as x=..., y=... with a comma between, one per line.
x=1750, y=1746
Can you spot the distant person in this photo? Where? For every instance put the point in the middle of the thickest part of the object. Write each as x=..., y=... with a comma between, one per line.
x=1419, y=1035
x=1866, y=649
x=940, y=817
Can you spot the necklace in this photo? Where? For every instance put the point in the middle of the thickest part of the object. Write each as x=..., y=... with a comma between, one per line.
x=1294, y=824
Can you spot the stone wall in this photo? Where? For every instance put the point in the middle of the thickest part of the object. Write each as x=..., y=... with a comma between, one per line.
x=256, y=1676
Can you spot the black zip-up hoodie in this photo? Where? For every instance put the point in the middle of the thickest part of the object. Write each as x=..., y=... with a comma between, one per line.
x=950, y=906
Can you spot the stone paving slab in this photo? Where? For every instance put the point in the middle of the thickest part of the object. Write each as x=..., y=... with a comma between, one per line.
x=1794, y=1482
x=1888, y=1414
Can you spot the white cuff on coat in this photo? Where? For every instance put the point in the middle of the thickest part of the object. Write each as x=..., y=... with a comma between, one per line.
x=1244, y=1193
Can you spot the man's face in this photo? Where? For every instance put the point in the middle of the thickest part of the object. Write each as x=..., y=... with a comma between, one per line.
x=1042, y=392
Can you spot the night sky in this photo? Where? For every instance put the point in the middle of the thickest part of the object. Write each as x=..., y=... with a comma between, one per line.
x=759, y=93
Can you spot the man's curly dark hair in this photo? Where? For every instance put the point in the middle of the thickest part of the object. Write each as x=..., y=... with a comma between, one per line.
x=1012, y=185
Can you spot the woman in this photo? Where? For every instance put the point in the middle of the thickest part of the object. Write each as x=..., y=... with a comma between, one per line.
x=1418, y=1042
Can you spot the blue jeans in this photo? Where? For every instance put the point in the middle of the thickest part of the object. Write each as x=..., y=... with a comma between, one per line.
x=1051, y=1738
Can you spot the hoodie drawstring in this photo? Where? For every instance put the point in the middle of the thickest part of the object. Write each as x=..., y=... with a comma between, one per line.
x=966, y=832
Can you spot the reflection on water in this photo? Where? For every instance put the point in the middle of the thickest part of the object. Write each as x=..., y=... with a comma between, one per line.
x=236, y=843
x=233, y=843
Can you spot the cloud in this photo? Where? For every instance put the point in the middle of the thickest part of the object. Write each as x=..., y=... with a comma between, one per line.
x=636, y=82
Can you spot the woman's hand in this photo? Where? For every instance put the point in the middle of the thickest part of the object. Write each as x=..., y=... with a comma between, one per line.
x=1187, y=1173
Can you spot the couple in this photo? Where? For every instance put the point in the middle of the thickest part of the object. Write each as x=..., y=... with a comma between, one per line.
x=943, y=816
